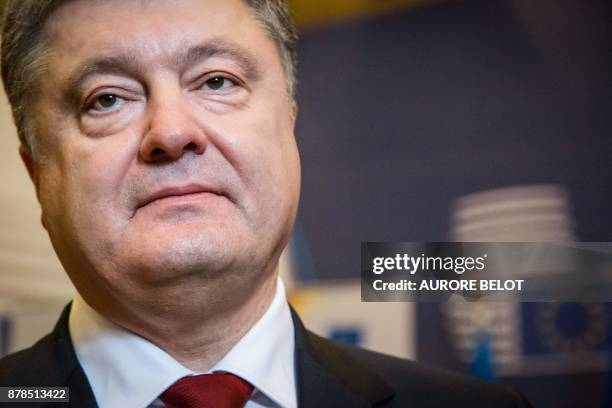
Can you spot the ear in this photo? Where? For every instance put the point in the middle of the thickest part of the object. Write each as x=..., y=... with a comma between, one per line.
x=26, y=158
x=294, y=112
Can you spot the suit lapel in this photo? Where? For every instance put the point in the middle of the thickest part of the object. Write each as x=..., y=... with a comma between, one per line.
x=66, y=368
x=328, y=377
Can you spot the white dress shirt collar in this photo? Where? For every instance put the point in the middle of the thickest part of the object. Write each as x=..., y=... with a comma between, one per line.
x=126, y=370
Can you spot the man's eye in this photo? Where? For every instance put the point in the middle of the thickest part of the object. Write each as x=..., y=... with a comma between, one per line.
x=106, y=102
x=219, y=83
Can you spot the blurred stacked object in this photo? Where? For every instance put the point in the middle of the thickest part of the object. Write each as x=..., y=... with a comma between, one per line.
x=512, y=214
x=552, y=350
x=538, y=213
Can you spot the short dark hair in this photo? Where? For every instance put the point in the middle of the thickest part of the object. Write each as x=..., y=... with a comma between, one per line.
x=24, y=47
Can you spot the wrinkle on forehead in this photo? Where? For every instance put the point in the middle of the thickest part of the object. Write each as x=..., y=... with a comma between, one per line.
x=136, y=20
x=126, y=62
x=85, y=33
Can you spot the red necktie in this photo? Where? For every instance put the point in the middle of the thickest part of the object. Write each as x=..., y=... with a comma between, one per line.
x=208, y=391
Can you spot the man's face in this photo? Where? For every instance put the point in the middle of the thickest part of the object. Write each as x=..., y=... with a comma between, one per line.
x=165, y=143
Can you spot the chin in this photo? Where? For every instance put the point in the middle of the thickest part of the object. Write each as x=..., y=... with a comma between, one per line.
x=168, y=261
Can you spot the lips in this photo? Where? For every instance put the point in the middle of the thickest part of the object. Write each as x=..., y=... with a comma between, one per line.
x=177, y=191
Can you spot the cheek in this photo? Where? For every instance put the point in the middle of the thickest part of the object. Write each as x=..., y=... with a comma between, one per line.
x=88, y=182
x=267, y=162
x=257, y=147
x=278, y=152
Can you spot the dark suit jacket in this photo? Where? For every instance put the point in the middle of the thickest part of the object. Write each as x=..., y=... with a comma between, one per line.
x=328, y=375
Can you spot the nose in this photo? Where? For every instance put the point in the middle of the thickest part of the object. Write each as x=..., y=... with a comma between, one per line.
x=172, y=130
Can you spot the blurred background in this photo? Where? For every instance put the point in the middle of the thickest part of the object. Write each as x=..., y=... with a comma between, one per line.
x=419, y=120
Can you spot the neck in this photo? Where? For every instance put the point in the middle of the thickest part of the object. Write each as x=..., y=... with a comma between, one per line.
x=199, y=349
x=198, y=335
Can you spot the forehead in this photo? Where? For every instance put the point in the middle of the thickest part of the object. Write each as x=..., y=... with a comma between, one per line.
x=155, y=29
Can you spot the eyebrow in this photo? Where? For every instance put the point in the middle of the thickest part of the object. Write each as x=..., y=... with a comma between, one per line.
x=130, y=64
